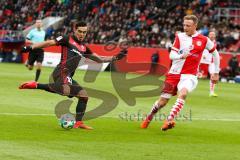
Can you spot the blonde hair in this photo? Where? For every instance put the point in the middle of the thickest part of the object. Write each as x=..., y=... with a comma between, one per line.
x=191, y=17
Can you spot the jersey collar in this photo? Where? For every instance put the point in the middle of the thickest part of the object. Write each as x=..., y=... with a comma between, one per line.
x=194, y=35
x=76, y=40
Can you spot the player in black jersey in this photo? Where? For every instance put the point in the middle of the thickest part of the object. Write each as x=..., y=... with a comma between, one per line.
x=72, y=51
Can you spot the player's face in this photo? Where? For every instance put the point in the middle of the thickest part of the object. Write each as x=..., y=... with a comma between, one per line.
x=212, y=36
x=189, y=27
x=38, y=24
x=81, y=33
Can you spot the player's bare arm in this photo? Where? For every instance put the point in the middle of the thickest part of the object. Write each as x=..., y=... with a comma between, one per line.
x=101, y=59
x=43, y=44
x=216, y=60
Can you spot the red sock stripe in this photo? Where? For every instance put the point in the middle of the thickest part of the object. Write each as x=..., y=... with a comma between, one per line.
x=180, y=103
x=175, y=110
x=178, y=109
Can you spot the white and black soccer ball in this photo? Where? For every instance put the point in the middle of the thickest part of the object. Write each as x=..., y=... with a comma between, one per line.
x=67, y=121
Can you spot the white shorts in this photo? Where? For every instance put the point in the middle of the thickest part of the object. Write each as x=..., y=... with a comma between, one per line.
x=211, y=68
x=176, y=83
x=187, y=81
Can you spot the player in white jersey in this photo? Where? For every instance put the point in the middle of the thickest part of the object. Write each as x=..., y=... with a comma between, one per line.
x=186, y=54
x=207, y=65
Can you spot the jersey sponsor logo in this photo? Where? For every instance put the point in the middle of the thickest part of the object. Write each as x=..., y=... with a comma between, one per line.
x=59, y=38
x=199, y=43
x=191, y=47
x=75, y=51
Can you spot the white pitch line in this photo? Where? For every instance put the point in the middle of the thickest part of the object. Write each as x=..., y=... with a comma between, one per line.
x=217, y=119
x=26, y=114
x=52, y=115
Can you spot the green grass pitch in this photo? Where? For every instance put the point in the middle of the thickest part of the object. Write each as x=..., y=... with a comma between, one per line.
x=30, y=131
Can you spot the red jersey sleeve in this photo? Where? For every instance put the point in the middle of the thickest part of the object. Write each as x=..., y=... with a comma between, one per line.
x=176, y=44
x=210, y=46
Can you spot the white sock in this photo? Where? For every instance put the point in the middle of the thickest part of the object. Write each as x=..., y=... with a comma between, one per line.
x=154, y=110
x=212, y=86
x=177, y=107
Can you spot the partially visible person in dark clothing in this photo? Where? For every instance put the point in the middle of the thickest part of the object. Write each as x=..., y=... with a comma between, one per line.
x=154, y=62
x=234, y=66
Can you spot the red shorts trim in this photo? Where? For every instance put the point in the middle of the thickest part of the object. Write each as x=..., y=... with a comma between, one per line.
x=170, y=84
x=203, y=69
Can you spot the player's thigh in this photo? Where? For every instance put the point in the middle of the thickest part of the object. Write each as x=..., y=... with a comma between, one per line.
x=170, y=86
x=189, y=82
x=40, y=56
x=68, y=90
x=60, y=88
x=58, y=85
x=55, y=77
x=73, y=89
x=32, y=57
x=211, y=68
x=77, y=91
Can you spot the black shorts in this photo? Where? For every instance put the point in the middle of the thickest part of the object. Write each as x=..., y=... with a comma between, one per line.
x=68, y=87
x=35, y=55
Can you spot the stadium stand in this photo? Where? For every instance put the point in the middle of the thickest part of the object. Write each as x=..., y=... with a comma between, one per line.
x=143, y=23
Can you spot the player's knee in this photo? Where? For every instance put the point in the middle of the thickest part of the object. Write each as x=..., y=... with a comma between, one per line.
x=81, y=93
x=66, y=90
x=84, y=99
x=183, y=96
x=39, y=66
x=30, y=67
x=162, y=102
x=183, y=93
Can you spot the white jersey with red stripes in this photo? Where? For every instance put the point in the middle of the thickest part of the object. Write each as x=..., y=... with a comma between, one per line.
x=207, y=58
x=194, y=45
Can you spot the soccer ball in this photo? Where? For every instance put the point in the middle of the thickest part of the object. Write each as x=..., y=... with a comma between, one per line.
x=67, y=121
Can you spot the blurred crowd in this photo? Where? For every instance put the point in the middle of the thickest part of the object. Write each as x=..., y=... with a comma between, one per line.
x=146, y=23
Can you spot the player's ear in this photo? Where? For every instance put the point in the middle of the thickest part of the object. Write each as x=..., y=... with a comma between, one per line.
x=87, y=28
x=74, y=27
x=196, y=25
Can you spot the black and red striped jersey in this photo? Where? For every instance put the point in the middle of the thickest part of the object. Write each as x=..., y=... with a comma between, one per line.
x=72, y=51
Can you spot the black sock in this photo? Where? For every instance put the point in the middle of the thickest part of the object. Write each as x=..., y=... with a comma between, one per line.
x=81, y=107
x=44, y=87
x=38, y=71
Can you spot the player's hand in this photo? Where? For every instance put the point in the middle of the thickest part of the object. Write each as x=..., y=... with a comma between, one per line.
x=184, y=56
x=215, y=78
x=185, y=53
x=123, y=53
x=26, y=49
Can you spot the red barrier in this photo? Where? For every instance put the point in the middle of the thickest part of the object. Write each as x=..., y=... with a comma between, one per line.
x=12, y=45
x=137, y=55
